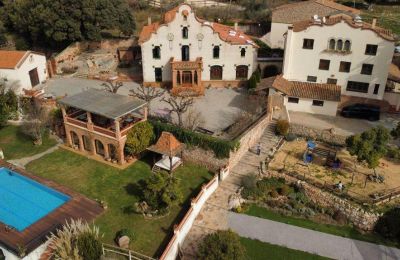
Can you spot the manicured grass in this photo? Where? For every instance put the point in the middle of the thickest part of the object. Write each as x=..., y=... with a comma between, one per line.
x=120, y=190
x=16, y=145
x=343, y=231
x=257, y=250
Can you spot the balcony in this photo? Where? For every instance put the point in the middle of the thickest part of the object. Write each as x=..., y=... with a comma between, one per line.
x=187, y=65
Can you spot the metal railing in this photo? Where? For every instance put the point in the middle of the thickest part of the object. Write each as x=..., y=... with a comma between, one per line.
x=129, y=254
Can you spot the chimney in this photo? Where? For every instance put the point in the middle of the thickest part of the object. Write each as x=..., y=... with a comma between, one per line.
x=373, y=23
x=149, y=20
x=236, y=26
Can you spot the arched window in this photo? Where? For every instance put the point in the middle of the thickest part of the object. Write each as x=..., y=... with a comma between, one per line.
x=157, y=52
x=347, y=45
x=216, y=72
x=185, y=53
x=86, y=143
x=339, y=45
x=99, y=147
x=332, y=44
x=216, y=52
x=185, y=32
x=242, y=72
x=74, y=139
x=243, y=52
x=112, y=150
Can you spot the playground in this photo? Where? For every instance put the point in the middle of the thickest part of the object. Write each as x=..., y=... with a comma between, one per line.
x=335, y=169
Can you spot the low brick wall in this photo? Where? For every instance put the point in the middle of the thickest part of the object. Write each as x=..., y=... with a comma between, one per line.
x=361, y=218
x=324, y=135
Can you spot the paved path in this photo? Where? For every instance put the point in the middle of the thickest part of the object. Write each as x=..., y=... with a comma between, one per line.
x=24, y=161
x=214, y=214
x=308, y=240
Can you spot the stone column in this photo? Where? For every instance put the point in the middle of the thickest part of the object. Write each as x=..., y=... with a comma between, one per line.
x=120, y=153
x=181, y=75
x=173, y=78
x=68, y=136
x=145, y=113
x=80, y=143
x=192, y=72
x=93, y=146
x=89, y=121
x=106, y=151
x=117, y=129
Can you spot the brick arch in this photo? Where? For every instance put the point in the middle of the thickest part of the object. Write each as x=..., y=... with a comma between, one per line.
x=112, y=150
x=74, y=138
x=99, y=147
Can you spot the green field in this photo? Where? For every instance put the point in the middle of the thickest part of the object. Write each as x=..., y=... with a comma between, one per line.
x=120, y=190
x=257, y=250
x=16, y=145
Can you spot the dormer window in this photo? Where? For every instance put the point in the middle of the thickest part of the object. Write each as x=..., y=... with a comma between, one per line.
x=185, y=32
x=243, y=52
x=216, y=52
x=157, y=52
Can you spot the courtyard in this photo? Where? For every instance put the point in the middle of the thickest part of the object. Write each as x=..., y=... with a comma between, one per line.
x=290, y=159
x=219, y=107
x=120, y=190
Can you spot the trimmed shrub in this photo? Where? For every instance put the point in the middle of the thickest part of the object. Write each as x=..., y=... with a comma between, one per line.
x=252, y=83
x=284, y=190
x=139, y=138
x=89, y=246
x=249, y=181
x=221, y=148
x=388, y=225
x=221, y=245
x=282, y=127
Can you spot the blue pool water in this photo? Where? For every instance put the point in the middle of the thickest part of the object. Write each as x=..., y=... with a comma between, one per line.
x=24, y=201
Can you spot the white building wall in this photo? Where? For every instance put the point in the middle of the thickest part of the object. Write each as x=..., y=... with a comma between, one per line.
x=306, y=105
x=300, y=63
x=276, y=36
x=21, y=75
x=229, y=53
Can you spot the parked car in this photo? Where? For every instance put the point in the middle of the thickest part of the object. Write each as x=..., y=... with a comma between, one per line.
x=397, y=49
x=362, y=111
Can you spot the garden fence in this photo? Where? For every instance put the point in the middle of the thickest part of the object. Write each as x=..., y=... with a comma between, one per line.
x=125, y=253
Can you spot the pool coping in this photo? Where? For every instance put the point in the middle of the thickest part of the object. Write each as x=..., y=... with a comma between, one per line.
x=78, y=207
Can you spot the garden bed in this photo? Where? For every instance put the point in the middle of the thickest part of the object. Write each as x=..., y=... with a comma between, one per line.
x=120, y=190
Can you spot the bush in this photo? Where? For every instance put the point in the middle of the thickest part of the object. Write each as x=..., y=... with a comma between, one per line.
x=89, y=246
x=274, y=194
x=388, y=225
x=221, y=148
x=249, y=181
x=282, y=127
x=284, y=190
x=252, y=82
x=340, y=217
x=221, y=245
x=393, y=153
x=139, y=138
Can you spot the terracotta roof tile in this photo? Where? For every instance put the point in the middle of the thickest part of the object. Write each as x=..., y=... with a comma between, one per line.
x=383, y=33
x=299, y=11
x=309, y=90
x=167, y=144
x=10, y=59
x=226, y=33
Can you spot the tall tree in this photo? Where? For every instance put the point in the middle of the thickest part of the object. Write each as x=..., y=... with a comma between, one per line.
x=111, y=86
x=179, y=105
x=369, y=146
x=147, y=94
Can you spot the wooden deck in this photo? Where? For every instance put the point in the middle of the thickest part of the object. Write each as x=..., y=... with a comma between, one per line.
x=78, y=207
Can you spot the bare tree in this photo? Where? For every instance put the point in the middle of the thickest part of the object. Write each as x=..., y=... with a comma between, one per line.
x=112, y=86
x=35, y=121
x=147, y=94
x=193, y=119
x=179, y=105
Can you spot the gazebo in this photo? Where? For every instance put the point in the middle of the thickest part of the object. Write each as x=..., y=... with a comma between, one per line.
x=168, y=146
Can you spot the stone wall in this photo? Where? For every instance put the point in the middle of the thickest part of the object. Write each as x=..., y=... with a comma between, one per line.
x=248, y=139
x=325, y=135
x=205, y=158
x=361, y=218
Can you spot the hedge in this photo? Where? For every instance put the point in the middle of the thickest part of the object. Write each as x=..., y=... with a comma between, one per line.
x=221, y=148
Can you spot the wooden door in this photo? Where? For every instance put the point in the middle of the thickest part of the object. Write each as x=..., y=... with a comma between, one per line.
x=33, y=75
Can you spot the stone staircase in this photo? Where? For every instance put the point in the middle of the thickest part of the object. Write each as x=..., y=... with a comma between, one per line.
x=214, y=214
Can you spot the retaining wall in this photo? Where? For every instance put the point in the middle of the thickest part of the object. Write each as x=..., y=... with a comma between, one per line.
x=324, y=135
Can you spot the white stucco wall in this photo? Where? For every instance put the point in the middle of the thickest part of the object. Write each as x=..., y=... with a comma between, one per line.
x=305, y=105
x=229, y=53
x=276, y=36
x=300, y=63
x=21, y=75
x=34, y=255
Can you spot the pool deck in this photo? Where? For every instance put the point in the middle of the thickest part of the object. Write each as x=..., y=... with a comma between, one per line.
x=78, y=207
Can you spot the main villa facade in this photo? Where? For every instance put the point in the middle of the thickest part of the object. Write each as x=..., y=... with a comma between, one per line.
x=185, y=52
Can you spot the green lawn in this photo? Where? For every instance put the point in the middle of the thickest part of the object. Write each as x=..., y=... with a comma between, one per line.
x=343, y=231
x=257, y=250
x=16, y=145
x=119, y=188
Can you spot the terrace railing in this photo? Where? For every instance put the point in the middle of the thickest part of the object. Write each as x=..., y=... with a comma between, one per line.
x=76, y=122
x=129, y=254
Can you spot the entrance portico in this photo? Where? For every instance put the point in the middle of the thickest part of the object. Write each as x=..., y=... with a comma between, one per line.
x=186, y=76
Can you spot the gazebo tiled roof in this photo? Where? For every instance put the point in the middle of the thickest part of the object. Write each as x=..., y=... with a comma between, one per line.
x=167, y=144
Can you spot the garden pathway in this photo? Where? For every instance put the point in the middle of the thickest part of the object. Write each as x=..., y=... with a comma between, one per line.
x=307, y=240
x=24, y=161
x=214, y=214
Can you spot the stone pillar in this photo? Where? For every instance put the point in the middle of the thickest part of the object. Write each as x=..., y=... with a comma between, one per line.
x=68, y=136
x=89, y=121
x=80, y=143
x=106, y=151
x=117, y=129
x=145, y=113
x=93, y=145
x=192, y=72
x=181, y=75
x=120, y=153
x=173, y=78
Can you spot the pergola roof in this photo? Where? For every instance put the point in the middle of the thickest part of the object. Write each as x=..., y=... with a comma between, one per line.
x=167, y=144
x=103, y=103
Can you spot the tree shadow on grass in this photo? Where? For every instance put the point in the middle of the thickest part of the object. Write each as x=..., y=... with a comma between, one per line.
x=135, y=189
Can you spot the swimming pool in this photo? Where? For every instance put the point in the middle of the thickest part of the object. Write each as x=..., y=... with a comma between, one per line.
x=24, y=201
